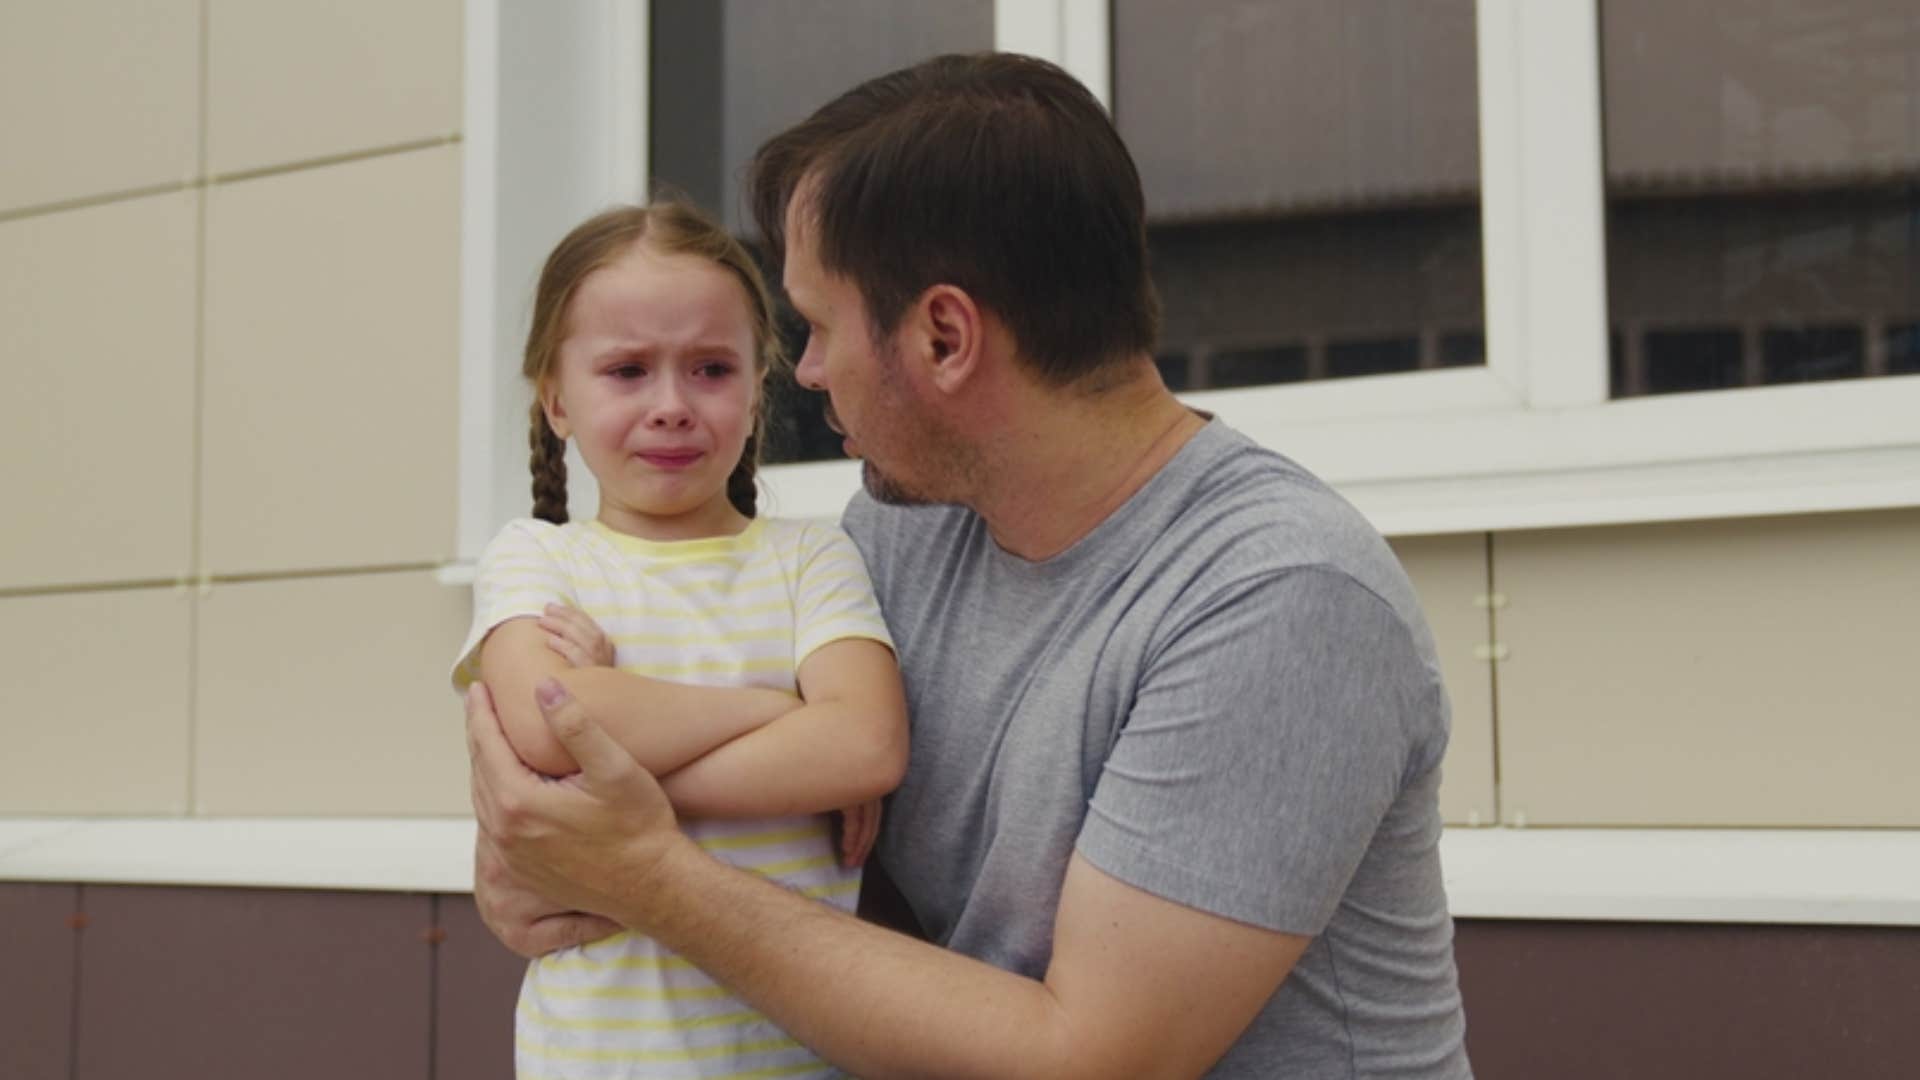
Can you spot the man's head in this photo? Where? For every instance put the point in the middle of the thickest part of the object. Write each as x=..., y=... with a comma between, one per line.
x=999, y=175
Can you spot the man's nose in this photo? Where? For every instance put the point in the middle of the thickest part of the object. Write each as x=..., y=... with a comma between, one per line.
x=810, y=372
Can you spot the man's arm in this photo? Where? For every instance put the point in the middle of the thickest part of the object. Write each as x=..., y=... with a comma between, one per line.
x=1138, y=986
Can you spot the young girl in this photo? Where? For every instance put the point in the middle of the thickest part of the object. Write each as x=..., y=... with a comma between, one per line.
x=740, y=659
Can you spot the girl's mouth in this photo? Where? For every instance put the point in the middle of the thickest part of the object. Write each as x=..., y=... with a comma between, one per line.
x=669, y=459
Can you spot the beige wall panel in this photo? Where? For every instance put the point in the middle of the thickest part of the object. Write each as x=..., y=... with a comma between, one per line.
x=1742, y=673
x=329, y=696
x=331, y=366
x=292, y=80
x=1450, y=573
x=97, y=336
x=96, y=97
x=93, y=702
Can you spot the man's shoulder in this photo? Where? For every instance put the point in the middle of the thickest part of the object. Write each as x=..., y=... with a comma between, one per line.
x=1237, y=501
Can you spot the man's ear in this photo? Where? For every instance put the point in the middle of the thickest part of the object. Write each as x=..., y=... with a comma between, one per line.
x=556, y=412
x=954, y=335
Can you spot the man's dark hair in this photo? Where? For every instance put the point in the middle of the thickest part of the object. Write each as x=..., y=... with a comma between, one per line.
x=996, y=173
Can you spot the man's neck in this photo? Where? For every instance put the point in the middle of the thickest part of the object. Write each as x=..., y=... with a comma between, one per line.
x=1069, y=461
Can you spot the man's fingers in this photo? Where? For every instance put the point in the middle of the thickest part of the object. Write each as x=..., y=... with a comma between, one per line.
x=600, y=758
x=494, y=764
x=566, y=931
x=486, y=743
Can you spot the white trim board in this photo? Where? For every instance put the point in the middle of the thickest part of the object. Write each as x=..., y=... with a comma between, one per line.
x=397, y=855
x=1814, y=877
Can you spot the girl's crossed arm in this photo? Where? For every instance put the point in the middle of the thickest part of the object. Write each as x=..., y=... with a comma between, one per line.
x=652, y=718
x=719, y=752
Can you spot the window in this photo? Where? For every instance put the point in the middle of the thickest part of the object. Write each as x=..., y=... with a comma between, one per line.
x=1396, y=241
x=1312, y=172
x=1763, y=218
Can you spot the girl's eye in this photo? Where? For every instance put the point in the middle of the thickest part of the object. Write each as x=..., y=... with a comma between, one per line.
x=716, y=369
x=626, y=371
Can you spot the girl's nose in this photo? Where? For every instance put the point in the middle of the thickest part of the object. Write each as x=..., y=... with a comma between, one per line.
x=669, y=407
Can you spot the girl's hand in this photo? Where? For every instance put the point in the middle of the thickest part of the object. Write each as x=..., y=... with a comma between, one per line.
x=858, y=828
x=576, y=637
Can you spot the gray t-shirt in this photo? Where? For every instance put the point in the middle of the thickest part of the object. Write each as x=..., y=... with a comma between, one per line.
x=1225, y=695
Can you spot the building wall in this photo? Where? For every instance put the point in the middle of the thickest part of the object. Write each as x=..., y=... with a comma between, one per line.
x=230, y=255
x=229, y=273
x=229, y=251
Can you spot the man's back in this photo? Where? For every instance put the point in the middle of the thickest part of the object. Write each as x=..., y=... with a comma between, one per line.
x=1224, y=695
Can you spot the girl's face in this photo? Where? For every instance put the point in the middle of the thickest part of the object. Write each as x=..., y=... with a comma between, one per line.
x=655, y=381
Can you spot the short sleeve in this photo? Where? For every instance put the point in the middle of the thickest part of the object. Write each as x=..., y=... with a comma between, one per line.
x=519, y=574
x=1271, y=734
x=834, y=597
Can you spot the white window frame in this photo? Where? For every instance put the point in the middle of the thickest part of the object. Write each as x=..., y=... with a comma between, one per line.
x=1528, y=440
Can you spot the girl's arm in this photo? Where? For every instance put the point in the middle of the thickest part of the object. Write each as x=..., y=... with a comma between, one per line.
x=845, y=745
x=650, y=717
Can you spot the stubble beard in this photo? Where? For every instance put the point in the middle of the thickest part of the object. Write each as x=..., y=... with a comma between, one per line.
x=884, y=489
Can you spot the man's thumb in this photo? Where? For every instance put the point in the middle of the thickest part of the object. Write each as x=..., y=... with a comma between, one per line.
x=593, y=749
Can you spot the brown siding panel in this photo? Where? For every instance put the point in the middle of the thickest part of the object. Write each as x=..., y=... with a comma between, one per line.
x=234, y=982
x=478, y=982
x=36, y=981
x=1597, y=1001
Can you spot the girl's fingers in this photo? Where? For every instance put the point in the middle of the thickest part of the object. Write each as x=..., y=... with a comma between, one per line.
x=590, y=644
x=568, y=650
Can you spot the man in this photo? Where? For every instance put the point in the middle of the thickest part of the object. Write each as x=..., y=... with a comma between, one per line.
x=1171, y=808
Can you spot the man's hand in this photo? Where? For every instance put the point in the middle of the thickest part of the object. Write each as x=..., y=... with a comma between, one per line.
x=576, y=637
x=589, y=842
x=524, y=921
x=857, y=827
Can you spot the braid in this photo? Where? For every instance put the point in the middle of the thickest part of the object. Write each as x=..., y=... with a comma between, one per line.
x=742, y=491
x=549, y=464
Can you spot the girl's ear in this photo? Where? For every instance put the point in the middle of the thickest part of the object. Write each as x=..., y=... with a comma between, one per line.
x=556, y=412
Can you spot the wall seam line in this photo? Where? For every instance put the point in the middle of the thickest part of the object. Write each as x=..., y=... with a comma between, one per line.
x=73, y=1006
x=196, y=539
x=392, y=150
x=1493, y=678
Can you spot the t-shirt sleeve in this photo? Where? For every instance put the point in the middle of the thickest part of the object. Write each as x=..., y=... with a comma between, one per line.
x=519, y=574
x=1271, y=733
x=834, y=597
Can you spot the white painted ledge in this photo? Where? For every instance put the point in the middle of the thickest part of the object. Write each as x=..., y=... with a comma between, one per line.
x=1820, y=877
x=1865, y=877
x=398, y=854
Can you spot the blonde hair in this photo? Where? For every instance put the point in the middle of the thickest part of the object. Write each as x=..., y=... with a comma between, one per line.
x=669, y=228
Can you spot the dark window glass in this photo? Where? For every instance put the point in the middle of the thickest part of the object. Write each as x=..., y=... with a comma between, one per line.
x=727, y=74
x=1763, y=174
x=1903, y=349
x=1678, y=360
x=1813, y=354
x=1464, y=348
x=1255, y=366
x=1312, y=178
x=1376, y=357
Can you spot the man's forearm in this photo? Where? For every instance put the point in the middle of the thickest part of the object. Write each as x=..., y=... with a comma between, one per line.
x=874, y=1002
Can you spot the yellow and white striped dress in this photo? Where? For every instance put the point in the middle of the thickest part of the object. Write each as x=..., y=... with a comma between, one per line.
x=726, y=611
